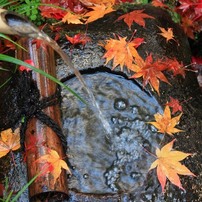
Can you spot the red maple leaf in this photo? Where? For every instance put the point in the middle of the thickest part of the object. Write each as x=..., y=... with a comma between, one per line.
x=78, y=39
x=24, y=68
x=174, y=66
x=175, y=105
x=136, y=16
x=150, y=71
x=52, y=12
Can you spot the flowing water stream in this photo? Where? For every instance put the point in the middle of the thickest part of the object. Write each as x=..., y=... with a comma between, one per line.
x=25, y=28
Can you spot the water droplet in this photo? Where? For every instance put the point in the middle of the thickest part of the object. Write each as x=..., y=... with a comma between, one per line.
x=85, y=176
x=120, y=104
x=135, y=175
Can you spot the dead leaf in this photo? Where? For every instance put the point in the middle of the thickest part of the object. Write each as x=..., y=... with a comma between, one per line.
x=165, y=124
x=98, y=11
x=136, y=16
x=54, y=163
x=121, y=51
x=168, y=165
x=9, y=141
x=150, y=71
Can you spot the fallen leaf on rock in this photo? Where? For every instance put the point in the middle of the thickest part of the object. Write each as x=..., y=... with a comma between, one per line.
x=168, y=165
x=72, y=18
x=98, y=11
x=121, y=51
x=175, y=105
x=165, y=123
x=150, y=71
x=78, y=39
x=9, y=141
x=136, y=16
x=167, y=34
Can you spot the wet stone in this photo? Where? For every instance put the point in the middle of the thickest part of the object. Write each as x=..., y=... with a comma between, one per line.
x=104, y=162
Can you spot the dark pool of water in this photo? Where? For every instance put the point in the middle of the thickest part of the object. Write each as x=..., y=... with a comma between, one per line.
x=118, y=162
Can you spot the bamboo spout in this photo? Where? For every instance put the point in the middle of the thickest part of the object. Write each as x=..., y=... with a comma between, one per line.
x=15, y=24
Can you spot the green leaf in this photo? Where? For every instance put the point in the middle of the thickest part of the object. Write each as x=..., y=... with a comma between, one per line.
x=9, y=39
x=19, y=62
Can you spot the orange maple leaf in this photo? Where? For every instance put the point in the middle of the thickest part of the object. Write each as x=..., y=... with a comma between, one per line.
x=168, y=165
x=98, y=12
x=121, y=51
x=72, y=18
x=54, y=161
x=165, y=124
x=159, y=3
x=150, y=70
x=135, y=16
x=9, y=141
x=167, y=34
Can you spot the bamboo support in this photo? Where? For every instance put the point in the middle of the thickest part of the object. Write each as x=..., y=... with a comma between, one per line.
x=43, y=135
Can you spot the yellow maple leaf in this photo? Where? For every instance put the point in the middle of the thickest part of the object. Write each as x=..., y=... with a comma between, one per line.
x=168, y=165
x=98, y=11
x=72, y=18
x=121, y=51
x=9, y=141
x=55, y=164
x=165, y=124
x=168, y=34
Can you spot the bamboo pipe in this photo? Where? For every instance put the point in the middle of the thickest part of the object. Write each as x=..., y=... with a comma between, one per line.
x=44, y=136
x=15, y=24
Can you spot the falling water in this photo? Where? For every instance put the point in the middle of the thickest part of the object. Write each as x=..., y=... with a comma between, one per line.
x=25, y=28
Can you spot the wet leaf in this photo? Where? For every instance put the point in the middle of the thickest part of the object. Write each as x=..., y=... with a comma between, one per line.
x=53, y=164
x=150, y=71
x=121, y=51
x=98, y=11
x=175, y=105
x=165, y=123
x=136, y=16
x=168, y=165
x=9, y=141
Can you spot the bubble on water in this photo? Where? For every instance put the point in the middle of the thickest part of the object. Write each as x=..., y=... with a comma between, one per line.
x=134, y=110
x=120, y=104
x=85, y=176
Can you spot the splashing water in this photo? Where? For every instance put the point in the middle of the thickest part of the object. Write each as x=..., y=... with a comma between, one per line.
x=25, y=28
